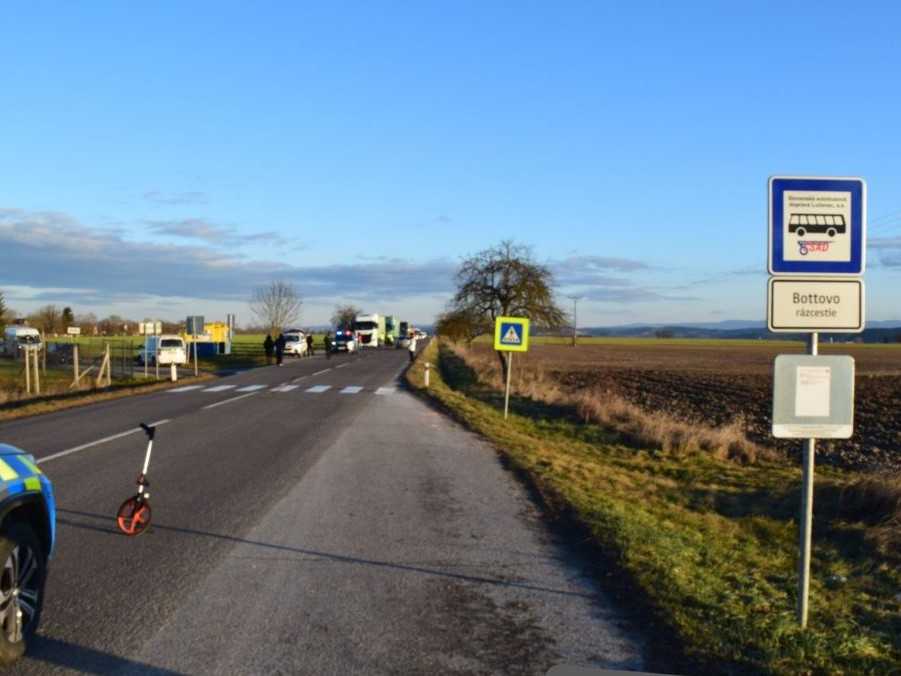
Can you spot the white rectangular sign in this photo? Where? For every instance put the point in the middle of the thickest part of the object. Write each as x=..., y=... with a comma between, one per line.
x=74, y=331
x=806, y=305
x=812, y=391
x=813, y=397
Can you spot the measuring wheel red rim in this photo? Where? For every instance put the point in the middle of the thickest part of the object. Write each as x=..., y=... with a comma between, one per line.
x=133, y=516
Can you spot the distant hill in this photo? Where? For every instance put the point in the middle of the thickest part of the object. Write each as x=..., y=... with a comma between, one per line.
x=877, y=331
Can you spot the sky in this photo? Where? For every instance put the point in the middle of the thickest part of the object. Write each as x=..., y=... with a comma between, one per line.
x=164, y=159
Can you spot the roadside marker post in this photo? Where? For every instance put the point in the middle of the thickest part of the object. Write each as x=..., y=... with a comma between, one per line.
x=511, y=334
x=816, y=258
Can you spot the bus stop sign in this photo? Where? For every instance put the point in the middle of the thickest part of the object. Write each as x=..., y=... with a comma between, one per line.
x=817, y=226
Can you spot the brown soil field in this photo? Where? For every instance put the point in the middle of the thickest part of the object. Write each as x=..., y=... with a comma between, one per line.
x=716, y=383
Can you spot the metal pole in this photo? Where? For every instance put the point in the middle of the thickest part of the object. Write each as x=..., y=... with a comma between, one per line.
x=806, y=511
x=507, y=393
x=195, y=354
x=575, y=319
x=75, y=361
x=27, y=351
x=37, y=371
x=145, y=353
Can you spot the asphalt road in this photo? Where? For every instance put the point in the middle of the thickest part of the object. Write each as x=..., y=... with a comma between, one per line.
x=313, y=518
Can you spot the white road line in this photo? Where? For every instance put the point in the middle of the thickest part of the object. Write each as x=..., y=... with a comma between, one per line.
x=251, y=388
x=299, y=378
x=284, y=388
x=186, y=388
x=342, y=366
x=352, y=389
x=112, y=437
x=228, y=401
x=386, y=390
x=219, y=388
x=319, y=389
x=319, y=373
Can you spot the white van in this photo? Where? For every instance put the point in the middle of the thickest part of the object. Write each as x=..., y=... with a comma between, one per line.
x=170, y=347
x=16, y=337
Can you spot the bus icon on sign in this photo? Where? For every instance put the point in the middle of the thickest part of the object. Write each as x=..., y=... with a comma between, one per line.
x=830, y=224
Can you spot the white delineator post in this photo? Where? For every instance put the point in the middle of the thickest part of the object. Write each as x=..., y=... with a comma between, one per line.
x=27, y=352
x=807, y=465
x=507, y=392
x=426, y=377
x=173, y=372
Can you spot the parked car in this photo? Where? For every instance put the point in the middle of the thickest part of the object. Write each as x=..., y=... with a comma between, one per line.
x=295, y=343
x=27, y=536
x=168, y=348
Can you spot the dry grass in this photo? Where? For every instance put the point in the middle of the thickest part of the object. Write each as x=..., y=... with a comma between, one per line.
x=635, y=426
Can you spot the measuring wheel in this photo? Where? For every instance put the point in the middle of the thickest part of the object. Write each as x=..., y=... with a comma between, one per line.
x=134, y=516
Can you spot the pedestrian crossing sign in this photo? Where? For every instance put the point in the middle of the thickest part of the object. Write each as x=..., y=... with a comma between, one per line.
x=511, y=334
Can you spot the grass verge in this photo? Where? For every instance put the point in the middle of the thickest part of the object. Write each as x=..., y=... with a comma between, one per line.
x=710, y=544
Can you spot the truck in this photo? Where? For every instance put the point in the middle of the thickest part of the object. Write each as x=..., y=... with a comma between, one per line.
x=370, y=329
x=17, y=337
x=391, y=330
x=403, y=337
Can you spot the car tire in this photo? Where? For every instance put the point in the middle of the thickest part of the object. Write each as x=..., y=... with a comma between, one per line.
x=24, y=570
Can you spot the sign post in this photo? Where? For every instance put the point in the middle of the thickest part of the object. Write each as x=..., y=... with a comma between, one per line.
x=511, y=334
x=817, y=254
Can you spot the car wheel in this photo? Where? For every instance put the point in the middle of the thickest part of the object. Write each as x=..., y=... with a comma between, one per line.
x=21, y=590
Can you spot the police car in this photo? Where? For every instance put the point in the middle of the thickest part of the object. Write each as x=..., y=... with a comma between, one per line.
x=27, y=535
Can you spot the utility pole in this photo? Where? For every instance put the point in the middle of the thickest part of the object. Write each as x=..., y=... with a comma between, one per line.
x=575, y=300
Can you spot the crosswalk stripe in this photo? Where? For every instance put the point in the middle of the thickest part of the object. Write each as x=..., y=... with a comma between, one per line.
x=219, y=388
x=186, y=388
x=386, y=390
x=284, y=388
x=319, y=389
x=251, y=388
x=351, y=389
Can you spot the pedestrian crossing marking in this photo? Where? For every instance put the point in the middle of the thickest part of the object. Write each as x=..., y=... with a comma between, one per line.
x=186, y=388
x=284, y=388
x=386, y=390
x=219, y=388
x=251, y=388
x=351, y=389
x=319, y=389
x=512, y=336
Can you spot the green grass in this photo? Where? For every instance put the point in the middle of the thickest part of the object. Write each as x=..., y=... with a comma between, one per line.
x=710, y=545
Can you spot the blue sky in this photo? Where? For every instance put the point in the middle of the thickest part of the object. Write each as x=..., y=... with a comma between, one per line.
x=162, y=160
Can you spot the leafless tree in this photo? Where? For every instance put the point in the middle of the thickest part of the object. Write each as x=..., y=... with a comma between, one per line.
x=506, y=281
x=276, y=305
x=345, y=315
x=48, y=319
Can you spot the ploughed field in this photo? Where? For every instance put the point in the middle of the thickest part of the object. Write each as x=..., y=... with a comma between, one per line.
x=715, y=382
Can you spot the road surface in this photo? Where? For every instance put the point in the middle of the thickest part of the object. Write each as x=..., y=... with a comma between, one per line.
x=313, y=518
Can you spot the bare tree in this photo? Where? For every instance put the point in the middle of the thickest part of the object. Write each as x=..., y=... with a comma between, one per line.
x=345, y=315
x=48, y=319
x=276, y=305
x=87, y=323
x=457, y=325
x=506, y=281
x=3, y=311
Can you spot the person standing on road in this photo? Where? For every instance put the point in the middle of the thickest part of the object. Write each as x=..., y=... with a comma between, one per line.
x=327, y=341
x=310, y=349
x=280, y=348
x=268, y=346
x=412, y=348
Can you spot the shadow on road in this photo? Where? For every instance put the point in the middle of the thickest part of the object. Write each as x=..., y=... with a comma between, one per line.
x=51, y=651
x=339, y=558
